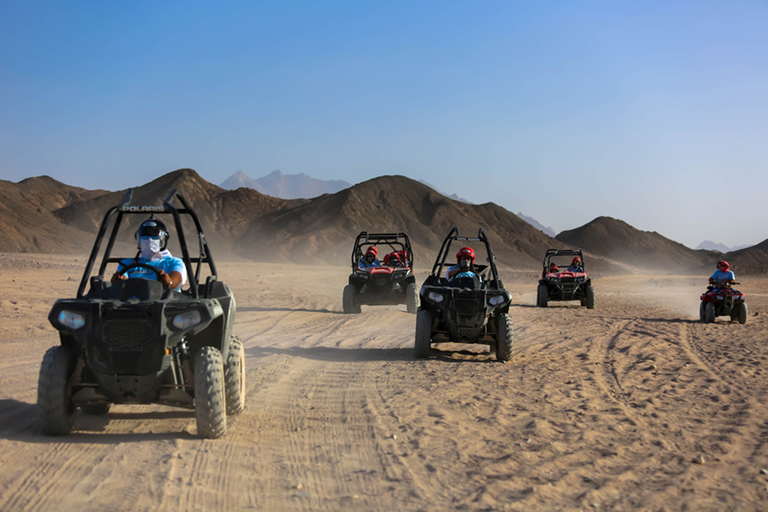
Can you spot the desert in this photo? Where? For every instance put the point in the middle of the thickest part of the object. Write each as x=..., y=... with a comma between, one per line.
x=634, y=405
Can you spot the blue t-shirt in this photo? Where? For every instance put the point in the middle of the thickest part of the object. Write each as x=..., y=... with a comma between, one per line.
x=167, y=264
x=365, y=264
x=575, y=268
x=721, y=276
x=466, y=273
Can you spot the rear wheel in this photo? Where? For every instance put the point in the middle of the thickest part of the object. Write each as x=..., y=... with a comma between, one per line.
x=743, y=312
x=703, y=311
x=709, y=313
x=504, y=340
x=54, y=392
x=590, y=298
x=210, y=406
x=542, y=294
x=348, y=300
x=411, y=298
x=423, y=333
x=234, y=377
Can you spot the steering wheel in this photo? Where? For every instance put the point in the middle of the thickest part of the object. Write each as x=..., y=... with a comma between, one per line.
x=141, y=265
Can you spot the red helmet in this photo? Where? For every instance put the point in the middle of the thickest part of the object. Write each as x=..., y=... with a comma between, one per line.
x=394, y=256
x=576, y=261
x=723, y=263
x=372, y=249
x=465, y=252
x=553, y=268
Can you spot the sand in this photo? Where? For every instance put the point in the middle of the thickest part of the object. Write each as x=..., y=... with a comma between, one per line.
x=632, y=406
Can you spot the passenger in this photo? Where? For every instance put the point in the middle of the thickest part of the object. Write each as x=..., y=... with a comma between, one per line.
x=723, y=276
x=370, y=261
x=393, y=260
x=576, y=265
x=152, y=240
x=553, y=269
x=465, y=260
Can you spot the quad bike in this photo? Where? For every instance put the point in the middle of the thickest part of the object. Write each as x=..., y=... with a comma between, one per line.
x=465, y=309
x=388, y=284
x=134, y=342
x=557, y=285
x=723, y=301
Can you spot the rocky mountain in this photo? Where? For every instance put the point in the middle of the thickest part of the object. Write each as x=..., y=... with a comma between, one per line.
x=285, y=186
x=538, y=225
x=708, y=245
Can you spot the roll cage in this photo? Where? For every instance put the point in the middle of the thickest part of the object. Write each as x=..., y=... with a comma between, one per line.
x=562, y=252
x=112, y=221
x=453, y=236
x=396, y=241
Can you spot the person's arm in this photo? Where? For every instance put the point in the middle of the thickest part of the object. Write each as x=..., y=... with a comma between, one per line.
x=172, y=279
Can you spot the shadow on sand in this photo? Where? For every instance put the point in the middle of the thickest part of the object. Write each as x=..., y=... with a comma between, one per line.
x=348, y=355
x=304, y=310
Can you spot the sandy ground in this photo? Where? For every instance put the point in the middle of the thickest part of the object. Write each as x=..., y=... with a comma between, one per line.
x=632, y=406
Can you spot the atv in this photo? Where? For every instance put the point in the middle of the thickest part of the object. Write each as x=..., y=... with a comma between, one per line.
x=561, y=285
x=723, y=301
x=464, y=309
x=390, y=283
x=134, y=342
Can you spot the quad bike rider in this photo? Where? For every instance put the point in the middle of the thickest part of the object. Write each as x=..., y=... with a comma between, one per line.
x=372, y=283
x=142, y=341
x=721, y=299
x=562, y=285
x=467, y=304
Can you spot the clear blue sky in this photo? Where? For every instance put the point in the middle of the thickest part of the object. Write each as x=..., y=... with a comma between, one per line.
x=654, y=112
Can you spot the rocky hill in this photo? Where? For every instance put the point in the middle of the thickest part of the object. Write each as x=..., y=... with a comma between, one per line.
x=285, y=186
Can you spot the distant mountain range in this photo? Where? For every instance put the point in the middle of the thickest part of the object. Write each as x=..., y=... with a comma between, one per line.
x=714, y=246
x=43, y=215
x=285, y=186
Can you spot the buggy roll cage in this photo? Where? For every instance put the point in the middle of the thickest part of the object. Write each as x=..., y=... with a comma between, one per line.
x=562, y=252
x=437, y=268
x=365, y=238
x=125, y=208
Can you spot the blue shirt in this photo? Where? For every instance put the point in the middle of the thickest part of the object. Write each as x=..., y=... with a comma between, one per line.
x=167, y=264
x=721, y=276
x=575, y=268
x=466, y=273
x=365, y=264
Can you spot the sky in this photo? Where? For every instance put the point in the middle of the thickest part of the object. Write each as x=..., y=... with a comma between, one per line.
x=652, y=112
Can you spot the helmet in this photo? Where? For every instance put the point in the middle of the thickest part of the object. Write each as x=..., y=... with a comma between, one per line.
x=152, y=227
x=553, y=268
x=394, y=256
x=465, y=252
x=372, y=249
x=576, y=261
x=724, y=264
x=386, y=258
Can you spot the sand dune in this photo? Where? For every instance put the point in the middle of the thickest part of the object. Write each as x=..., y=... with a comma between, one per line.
x=631, y=406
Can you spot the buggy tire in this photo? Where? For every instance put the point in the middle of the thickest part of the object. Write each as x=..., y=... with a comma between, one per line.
x=96, y=409
x=234, y=377
x=703, y=311
x=743, y=313
x=54, y=392
x=412, y=298
x=542, y=294
x=590, y=302
x=423, y=333
x=709, y=313
x=210, y=407
x=348, y=300
x=504, y=341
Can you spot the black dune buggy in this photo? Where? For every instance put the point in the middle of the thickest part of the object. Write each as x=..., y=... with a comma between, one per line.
x=558, y=284
x=392, y=282
x=134, y=342
x=464, y=309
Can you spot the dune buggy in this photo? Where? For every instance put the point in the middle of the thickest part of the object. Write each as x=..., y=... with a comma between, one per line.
x=392, y=282
x=464, y=309
x=134, y=342
x=559, y=284
x=723, y=301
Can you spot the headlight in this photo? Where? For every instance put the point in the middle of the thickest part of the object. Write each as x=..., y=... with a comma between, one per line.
x=187, y=320
x=71, y=319
x=496, y=300
x=435, y=297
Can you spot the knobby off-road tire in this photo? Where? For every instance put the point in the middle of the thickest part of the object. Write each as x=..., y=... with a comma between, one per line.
x=348, y=300
x=542, y=294
x=703, y=311
x=590, y=302
x=412, y=298
x=709, y=313
x=96, y=409
x=504, y=342
x=210, y=406
x=743, y=312
x=423, y=333
x=234, y=377
x=54, y=394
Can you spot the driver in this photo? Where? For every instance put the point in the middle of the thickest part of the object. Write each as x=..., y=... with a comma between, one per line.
x=576, y=265
x=370, y=260
x=465, y=260
x=723, y=276
x=152, y=239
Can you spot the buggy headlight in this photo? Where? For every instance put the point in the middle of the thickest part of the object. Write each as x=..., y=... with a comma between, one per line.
x=435, y=297
x=187, y=320
x=71, y=319
x=496, y=300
